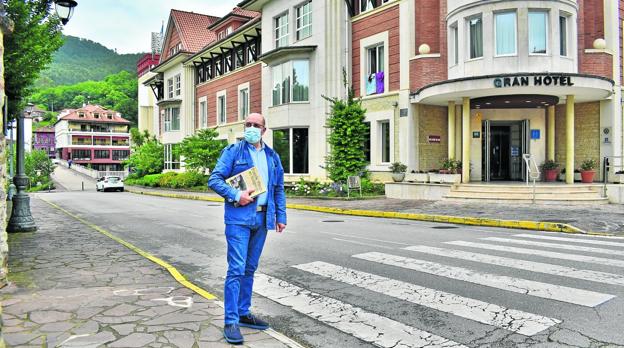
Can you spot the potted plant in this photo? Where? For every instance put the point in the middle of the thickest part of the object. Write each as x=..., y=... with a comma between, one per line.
x=448, y=174
x=398, y=170
x=588, y=170
x=551, y=169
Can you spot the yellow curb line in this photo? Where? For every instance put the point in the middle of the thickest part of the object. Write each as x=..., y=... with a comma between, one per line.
x=488, y=222
x=172, y=270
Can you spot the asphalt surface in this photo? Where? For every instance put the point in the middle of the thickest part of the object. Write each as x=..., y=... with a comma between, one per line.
x=572, y=307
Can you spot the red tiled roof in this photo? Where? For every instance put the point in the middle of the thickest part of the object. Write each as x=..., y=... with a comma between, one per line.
x=89, y=110
x=247, y=13
x=193, y=29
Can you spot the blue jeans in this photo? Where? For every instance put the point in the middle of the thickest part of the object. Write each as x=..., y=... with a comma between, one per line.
x=244, y=246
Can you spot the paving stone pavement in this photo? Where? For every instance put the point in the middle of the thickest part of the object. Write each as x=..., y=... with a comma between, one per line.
x=592, y=218
x=71, y=286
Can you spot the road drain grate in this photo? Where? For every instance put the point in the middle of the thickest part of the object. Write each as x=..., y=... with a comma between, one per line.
x=332, y=221
x=444, y=227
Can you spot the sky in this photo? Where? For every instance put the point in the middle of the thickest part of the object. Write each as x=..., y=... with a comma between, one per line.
x=126, y=25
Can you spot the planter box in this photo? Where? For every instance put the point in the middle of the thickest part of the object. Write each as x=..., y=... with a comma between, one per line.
x=445, y=178
x=417, y=177
x=616, y=178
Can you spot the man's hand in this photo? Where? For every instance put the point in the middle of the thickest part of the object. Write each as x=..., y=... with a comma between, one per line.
x=280, y=227
x=244, y=198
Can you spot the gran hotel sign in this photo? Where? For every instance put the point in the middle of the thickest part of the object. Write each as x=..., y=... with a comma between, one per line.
x=533, y=81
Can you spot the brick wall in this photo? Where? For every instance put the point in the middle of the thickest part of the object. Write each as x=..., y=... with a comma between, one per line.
x=432, y=120
x=230, y=83
x=599, y=63
x=593, y=24
x=424, y=71
x=586, y=134
x=387, y=20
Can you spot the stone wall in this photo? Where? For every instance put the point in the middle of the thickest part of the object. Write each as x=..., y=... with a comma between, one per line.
x=586, y=134
x=432, y=120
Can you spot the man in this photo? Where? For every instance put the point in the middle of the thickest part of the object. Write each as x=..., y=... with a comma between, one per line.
x=246, y=223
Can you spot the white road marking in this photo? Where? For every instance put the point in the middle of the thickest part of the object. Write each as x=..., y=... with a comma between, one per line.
x=572, y=240
x=482, y=312
x=364, y=238
x=555, y=245
x=367, y=326
x=523, y=286
x=361, y=243
x=542, y=253
x=563, y=271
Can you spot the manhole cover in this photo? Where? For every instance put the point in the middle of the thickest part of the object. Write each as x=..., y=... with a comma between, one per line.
x=444, y=227
x=332, y=221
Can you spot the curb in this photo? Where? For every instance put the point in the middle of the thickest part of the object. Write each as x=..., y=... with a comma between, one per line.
x=472, y=221
x=172, y=270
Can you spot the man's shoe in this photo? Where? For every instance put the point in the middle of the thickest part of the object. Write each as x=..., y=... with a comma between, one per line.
x=253, y=322
x=232, y=333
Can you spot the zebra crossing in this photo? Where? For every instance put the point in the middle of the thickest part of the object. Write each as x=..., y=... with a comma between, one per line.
x=352, y=315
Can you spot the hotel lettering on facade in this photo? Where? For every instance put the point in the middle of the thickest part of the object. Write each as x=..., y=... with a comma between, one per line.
x=478, y=81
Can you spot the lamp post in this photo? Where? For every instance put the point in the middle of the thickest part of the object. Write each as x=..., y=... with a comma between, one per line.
x=21, y=219
x=65, y=9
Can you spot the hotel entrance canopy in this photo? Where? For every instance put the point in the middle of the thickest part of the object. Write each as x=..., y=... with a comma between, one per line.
x=585, y=88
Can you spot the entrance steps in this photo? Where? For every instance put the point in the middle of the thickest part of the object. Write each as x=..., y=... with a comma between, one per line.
x=521, y=193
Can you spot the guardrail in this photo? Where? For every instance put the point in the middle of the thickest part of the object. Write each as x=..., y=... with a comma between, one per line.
x=606, y=167
x=532, y=171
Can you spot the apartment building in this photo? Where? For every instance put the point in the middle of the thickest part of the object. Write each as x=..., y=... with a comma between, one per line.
x=93, y=136
x=173, y=83
x=44, y=139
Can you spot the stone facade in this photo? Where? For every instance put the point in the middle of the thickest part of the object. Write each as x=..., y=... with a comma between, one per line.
x=586, y=134
x=432, y=120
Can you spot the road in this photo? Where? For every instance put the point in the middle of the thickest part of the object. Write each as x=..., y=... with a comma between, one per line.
x=338, y=281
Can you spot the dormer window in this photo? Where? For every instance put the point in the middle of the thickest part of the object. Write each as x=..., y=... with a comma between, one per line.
x=229, y=30
x=96, y=115
x=221, y=35
x=81, y=114
x=109, y=116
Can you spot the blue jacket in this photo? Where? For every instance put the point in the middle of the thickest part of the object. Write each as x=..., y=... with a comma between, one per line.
x=234, y=159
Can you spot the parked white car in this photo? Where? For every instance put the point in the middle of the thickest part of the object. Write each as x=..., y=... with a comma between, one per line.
x=106, y=183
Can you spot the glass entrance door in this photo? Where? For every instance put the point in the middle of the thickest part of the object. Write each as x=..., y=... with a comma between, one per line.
x=503, y=145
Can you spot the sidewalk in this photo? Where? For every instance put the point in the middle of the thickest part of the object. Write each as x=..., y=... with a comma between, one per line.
x=72, y=286
x=589, y=218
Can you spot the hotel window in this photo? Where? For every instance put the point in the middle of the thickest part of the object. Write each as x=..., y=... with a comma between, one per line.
x=221, y=108
x=375, y=65
x=304, y=20
x=177, y=85
x=366, y=5
x=172, y=156
x=243, y=103
x=281, y=30
x=203, y=114
x=297, y=72
x=505, y=29
x=367, y=143
x=81, y=154
x=537, y=32
x=291, y=144
x=170, y=88
x=563, y=35
x=454, y=44
x=384, y=127
x=101, y=154
x=172, y=119
x=476, y=37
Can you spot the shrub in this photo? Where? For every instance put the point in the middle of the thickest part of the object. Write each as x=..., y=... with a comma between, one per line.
x=168, y=180
x=550, y=165
x=190, y=179
x=152, y=180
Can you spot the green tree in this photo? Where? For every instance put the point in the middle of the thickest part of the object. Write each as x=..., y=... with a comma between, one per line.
x=346, y=138
x=38, y=167
x=147, y=158
x=27, y=51
x=201, y=151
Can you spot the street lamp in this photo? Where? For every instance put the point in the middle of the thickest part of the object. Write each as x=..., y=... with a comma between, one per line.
x=65, y=9
x=21, y=219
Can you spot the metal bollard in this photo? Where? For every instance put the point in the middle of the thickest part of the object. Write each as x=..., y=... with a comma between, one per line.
x=49, y=187
x=83, y=185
